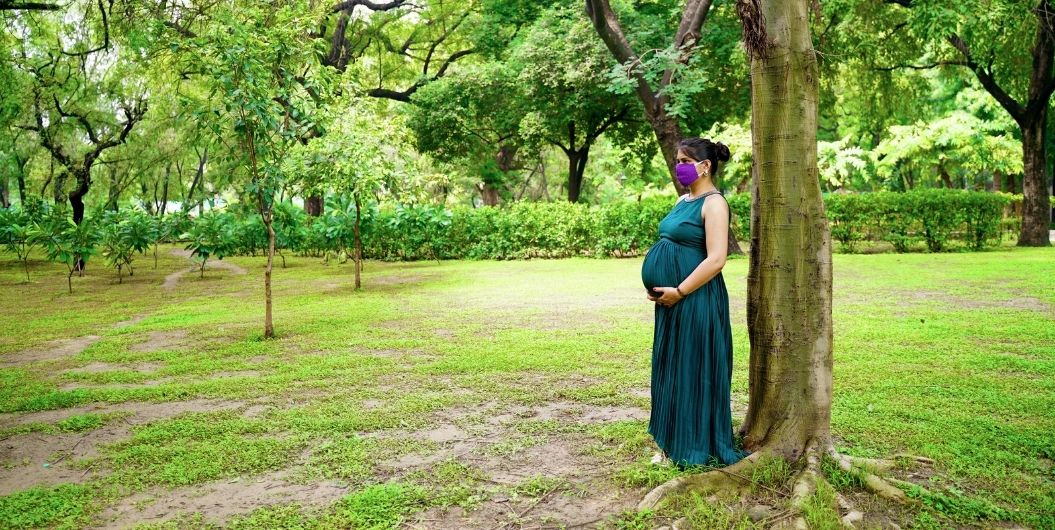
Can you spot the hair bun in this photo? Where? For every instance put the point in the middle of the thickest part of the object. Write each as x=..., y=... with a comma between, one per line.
x=722, y=151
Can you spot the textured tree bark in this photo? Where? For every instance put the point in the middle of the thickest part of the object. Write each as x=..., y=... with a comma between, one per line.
x=789, y=311
x=790, y=274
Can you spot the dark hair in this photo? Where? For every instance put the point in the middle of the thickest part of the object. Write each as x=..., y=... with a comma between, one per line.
x=701, y=149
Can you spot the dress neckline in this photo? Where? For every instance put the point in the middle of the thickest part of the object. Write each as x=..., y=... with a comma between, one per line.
x=690, y=198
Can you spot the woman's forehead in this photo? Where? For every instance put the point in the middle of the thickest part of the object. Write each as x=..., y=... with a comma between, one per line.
x=683, y=154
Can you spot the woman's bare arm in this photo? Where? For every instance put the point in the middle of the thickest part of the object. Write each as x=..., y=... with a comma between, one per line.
x=716, y=225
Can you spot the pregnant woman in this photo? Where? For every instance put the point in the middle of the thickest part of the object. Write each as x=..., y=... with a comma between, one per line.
x=692, y=348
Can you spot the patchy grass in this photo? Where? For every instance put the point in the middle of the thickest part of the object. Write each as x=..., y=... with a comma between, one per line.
x=472, y=394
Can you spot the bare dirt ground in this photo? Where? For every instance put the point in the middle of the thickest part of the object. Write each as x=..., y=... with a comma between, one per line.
x=172, y=280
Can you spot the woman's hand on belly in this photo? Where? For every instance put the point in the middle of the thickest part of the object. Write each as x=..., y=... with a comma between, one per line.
x=669, y=297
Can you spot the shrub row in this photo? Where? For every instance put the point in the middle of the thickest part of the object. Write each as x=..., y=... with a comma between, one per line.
x=942, y=219
x=937, y=220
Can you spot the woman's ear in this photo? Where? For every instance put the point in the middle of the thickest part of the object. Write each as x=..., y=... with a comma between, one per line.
x=705, y=167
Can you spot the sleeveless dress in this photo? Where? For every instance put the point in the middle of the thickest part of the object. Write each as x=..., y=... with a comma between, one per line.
x=692, y=347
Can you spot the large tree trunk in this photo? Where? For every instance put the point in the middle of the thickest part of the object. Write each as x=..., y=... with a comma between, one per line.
x=790, y=276
x=76, y=197
x=1036, y=202
x=77, y=203
x=946, y=179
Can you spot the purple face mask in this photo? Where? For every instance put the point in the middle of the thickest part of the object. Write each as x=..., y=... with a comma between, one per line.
x=686, y=173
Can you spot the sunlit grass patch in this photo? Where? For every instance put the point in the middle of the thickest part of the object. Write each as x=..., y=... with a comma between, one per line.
x=65, y=505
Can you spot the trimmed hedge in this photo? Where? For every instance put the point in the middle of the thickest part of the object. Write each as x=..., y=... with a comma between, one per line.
x=930, y=219
x=940, y=219
x=935, y=220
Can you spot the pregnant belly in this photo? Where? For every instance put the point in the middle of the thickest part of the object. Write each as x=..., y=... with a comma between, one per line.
x=661, y=267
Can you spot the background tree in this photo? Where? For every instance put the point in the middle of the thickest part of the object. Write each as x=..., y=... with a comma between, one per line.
x=255, y=56
x=1009, y=47
x=562, y=70
x=650, y=89
x=351, y=162
x=473, y=118
x=80, y=106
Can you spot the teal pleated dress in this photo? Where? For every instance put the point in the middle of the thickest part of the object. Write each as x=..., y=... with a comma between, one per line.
x=692, y=347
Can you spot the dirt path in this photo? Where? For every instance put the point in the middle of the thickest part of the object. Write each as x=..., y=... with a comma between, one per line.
x=172, y=280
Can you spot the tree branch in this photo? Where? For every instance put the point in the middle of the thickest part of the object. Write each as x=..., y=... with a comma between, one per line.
x=919, y=66
x=608, y=28
x=45, y=135
x=7, y=5
x=106, y=33
x=404, y=96
x=692, y=19
x=1013, y=107
x=1042, y=80
x=373, y=6
x=437, y=42
x=80, y=118
x=611, y=120
x=688, y=34
x=180, y=29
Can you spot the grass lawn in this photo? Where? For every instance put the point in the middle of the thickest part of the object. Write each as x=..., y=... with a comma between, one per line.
x=490, y=394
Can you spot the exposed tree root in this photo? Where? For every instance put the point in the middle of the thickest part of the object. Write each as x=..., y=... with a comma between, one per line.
x=806, y=483
x=881, y=464
x=728, y=477
x=737, y=477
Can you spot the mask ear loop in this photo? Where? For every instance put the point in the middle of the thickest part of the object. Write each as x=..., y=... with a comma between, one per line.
x=708, y=173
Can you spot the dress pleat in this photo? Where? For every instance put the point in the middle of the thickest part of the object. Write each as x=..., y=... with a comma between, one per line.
x=692, y=348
